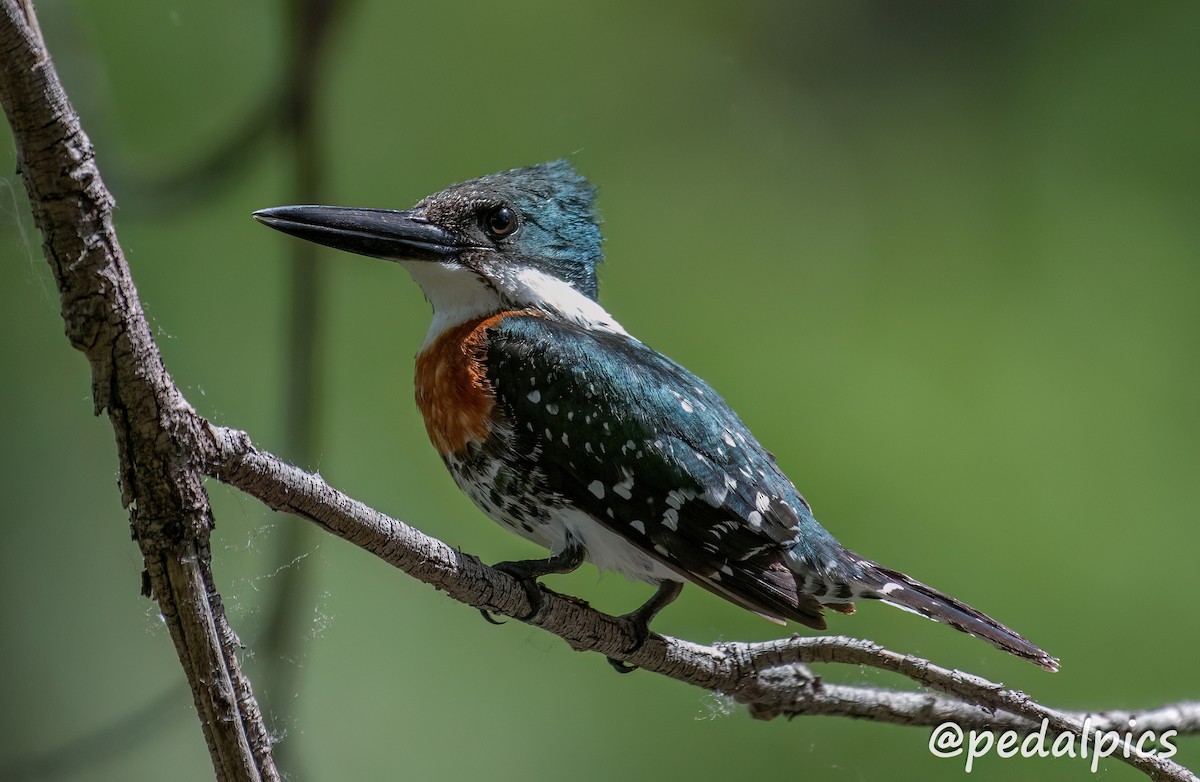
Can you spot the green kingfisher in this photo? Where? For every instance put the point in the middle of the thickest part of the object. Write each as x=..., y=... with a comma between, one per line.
x=572, y=433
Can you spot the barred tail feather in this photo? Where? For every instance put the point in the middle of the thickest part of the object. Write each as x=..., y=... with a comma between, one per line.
x=906, y=593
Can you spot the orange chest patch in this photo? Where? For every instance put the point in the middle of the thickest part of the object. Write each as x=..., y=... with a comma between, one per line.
x=453, y=391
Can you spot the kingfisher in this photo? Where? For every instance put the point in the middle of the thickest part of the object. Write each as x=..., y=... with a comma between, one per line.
x=574, y=434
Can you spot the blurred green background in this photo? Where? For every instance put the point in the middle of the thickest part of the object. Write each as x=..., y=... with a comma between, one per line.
x=944, y=259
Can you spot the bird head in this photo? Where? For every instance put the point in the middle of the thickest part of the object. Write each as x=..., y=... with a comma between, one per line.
x=525, y=238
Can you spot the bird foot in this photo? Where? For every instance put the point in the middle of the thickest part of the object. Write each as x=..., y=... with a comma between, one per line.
x=638, y=621
x=527, y=578
x=639, y=628
x=528, y=571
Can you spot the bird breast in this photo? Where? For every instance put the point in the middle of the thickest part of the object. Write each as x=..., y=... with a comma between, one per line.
x=453, y=392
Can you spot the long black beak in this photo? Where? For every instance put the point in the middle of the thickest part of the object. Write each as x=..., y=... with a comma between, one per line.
x=381, y=233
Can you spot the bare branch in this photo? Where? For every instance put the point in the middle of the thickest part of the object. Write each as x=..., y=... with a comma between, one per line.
x=155, y=428
x=767, y=677
x=812, y=697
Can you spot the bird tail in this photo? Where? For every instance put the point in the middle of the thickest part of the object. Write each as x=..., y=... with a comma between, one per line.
x=906, y=593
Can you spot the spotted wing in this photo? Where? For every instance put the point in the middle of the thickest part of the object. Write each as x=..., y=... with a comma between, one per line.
x=650, y=451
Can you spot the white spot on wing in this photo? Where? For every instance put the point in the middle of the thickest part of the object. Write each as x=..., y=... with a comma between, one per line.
x=623, y=488
x=671, y=519
x=597, y=488
x=534, y=396
x=676, y=497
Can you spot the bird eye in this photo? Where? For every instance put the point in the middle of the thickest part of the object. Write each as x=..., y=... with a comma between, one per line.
x=500, y=221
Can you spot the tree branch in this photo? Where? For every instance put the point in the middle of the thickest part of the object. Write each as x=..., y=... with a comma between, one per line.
x=770, y=678
x=165, y=448
x=157, y=439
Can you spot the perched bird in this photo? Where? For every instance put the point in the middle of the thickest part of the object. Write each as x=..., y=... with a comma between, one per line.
x=570, y=432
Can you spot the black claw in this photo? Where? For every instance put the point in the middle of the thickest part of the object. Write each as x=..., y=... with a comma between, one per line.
x=490, y=618
x=620, y=666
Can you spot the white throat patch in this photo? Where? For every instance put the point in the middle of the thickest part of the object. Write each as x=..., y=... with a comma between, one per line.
x=458, y=294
